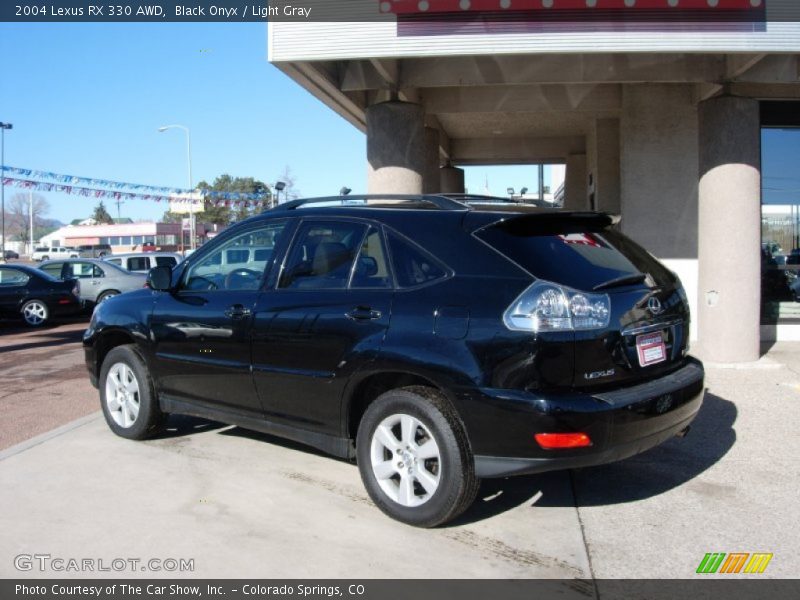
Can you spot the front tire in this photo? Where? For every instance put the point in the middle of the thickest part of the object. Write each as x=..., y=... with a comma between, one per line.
x=127, y=395
x=414, y=457
x=35, y=313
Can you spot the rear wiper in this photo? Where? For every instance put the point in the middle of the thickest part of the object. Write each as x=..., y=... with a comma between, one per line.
x=619, y=281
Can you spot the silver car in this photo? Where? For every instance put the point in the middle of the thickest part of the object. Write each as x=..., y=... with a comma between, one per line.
x=142, y=262
x=99, y=279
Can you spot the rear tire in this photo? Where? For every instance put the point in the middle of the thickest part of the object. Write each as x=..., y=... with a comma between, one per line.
x=106, y=295
x=35, y=313
x=414, y=457
x=127, y=395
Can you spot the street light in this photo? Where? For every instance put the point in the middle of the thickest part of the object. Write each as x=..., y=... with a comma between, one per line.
x=191, y=194
x=279, y=185
x=3, y=127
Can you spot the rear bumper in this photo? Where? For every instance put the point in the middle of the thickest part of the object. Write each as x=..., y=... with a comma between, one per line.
x=620, y=423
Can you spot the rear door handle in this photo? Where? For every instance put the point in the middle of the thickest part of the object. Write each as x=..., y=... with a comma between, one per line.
x=237, y=311
x=363, y=313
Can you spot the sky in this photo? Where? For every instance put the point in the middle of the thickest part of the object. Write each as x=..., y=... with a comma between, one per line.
x=780, y=166
x=87, y=99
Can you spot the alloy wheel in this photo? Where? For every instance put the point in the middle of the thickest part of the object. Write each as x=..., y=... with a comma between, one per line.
x=34, y=313
x=406, y=460
x=122, y=395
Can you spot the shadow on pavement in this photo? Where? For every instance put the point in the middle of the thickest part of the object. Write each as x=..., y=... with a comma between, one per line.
x=182, y=425
x=47, y=338
x=649, y=474
x=659, y=470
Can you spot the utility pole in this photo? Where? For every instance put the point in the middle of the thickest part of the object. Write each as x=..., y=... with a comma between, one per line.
x=3, y=127
x=30, y=216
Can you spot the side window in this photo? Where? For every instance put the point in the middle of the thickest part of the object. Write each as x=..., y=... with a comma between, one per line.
x=169, y=261
x=12, y=277
x=238, y=264
x=97, y=272
x=138, y=263
x=372, y=270
x=412, y=265
x=81, y=270
x=53, y=269
x=322, y=255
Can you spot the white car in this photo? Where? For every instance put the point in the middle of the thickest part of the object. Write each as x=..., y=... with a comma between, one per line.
x=142, y=262
x=46, y=253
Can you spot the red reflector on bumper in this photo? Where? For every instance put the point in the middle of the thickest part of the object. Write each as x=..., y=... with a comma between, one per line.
x=549, y=441
x=64, y=301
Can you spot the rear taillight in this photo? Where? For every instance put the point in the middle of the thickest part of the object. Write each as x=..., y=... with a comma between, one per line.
x=546, y=306
x=554, y=441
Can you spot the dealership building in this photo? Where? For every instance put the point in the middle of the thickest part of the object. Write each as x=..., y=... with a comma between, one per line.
x=657, y=108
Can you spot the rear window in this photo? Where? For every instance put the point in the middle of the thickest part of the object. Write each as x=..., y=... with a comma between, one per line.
x=579, y=253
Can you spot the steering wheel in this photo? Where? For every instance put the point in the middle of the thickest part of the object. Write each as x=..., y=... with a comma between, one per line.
x=198, y=282
x=247, y=276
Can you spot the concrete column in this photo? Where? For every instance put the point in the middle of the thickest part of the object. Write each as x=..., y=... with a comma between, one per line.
x=730, y=229
x=659, y=174
x=452, y=180
x=395, y=148
x=607, y=171
x=576, y=187
x=430, y=178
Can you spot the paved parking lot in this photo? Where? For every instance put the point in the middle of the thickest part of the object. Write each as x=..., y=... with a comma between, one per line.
x=247, y=505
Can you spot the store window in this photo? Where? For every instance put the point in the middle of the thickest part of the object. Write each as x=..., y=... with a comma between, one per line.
x=780, y=213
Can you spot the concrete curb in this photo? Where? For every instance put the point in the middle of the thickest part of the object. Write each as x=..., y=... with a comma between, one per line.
x=53, y=433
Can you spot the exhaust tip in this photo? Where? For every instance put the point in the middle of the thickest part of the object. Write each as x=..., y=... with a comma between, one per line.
x=683, y=432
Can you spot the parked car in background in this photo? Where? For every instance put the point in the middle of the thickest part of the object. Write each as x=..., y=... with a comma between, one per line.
x=94, y=250
x=437, y=341
x=35, y=296
x=100, y=280
x=9, y=254
x=142, y=262
x=48, y=252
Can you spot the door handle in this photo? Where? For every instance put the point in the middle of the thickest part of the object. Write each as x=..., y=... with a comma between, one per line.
x=237, y=311
x=363, y=313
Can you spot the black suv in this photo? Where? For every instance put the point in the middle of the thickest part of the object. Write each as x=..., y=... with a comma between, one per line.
x=435, y=341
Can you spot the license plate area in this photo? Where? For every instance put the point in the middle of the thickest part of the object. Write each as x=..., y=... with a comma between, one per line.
x=651, y=349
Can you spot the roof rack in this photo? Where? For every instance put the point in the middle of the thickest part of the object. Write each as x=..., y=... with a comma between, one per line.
x=391, y=201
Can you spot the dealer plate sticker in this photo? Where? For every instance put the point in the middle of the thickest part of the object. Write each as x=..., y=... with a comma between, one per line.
x=651, y=349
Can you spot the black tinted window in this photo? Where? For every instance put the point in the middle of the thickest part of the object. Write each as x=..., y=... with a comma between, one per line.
x=53, y=269
x=412, y=265
x=138, y=263
x=12, y=277
x=167, y=261
x=579, y=253
x=322, y=255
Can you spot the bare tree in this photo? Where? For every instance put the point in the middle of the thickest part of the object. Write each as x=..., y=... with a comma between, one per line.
x=19, y=214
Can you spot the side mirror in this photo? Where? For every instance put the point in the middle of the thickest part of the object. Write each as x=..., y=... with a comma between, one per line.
x=159, y=278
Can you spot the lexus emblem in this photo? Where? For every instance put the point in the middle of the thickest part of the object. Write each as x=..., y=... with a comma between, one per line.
x=654, y=305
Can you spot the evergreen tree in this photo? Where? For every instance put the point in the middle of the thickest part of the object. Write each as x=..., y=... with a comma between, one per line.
x=101, y=214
